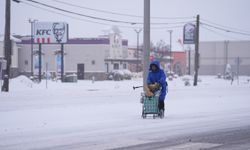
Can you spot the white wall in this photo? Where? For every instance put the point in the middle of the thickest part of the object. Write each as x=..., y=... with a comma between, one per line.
x=116, y=50
x=14, y=57
x=85, y=54
x=75, y=54
x=213, y=57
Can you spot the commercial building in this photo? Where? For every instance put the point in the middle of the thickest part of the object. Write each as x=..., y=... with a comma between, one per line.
x=86, y=57
x=177, y=60
x=14, y=54
x=215, y=55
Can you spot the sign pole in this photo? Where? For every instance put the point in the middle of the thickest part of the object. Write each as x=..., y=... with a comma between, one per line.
x=46, y=75
x=189, y=62
x=191, y=36
x=51, y=32
x=40, y=62
x=62, y=62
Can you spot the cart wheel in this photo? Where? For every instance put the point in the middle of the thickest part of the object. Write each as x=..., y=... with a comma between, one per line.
x=154, y=116
x=144, y=116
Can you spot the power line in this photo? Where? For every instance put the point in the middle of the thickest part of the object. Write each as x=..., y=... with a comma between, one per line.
x=226, y=30
x=76, y=18
x=169, y=23
x=167, y=27
x=83, y=15
x=115, y=13
x=97, y=10
x=85, y=20
x=98, y=18
x=223, y=26
x=220, y=34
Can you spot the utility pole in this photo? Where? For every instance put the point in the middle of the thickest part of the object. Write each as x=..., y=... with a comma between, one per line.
x=31, y=44
x=7, y=47
x=146, y=40
x=196, y=67
x=137, y=52
x=170, y=49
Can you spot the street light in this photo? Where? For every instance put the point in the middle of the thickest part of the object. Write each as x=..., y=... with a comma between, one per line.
x=31, y=21
x=170, y=48
x=137, y=52
x=226, y=54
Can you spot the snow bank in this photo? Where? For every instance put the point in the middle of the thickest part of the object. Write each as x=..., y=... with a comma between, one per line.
x=21, y=82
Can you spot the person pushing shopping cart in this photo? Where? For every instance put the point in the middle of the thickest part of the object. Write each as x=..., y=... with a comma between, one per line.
x=156, y=89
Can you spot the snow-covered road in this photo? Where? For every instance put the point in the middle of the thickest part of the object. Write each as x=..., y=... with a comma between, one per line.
x=107, y=114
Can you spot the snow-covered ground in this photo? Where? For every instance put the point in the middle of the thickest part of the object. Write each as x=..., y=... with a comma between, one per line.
x=107, y=114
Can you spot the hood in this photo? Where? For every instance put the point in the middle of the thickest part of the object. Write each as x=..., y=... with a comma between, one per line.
x=157, y=63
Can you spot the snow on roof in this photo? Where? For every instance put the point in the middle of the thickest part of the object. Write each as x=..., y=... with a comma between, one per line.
x=11, y=37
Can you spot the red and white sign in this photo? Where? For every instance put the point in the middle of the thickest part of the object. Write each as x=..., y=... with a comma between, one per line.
x=50, y=32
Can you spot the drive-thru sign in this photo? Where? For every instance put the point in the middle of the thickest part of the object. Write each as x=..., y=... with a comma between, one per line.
x=189, y=33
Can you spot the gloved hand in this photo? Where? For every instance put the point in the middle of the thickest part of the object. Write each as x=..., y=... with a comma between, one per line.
x=154, y=87
x=148, y=91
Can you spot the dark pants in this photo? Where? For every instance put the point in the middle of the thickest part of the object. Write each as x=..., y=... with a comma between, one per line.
x=161, y=105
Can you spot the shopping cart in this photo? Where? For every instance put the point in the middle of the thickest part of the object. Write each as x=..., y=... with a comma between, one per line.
x=150, y=106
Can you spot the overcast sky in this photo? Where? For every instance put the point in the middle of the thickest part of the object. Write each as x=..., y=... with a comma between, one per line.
x=233, y=15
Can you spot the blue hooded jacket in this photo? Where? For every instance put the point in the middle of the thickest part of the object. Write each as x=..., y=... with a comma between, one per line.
x=158, y=76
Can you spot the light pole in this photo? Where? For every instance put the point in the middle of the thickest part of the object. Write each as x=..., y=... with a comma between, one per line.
x=31, y=21
x=170, y=48
x=226, y=55
x=137, y=51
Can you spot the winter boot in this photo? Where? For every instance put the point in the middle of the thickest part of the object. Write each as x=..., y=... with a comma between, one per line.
x=161, y=113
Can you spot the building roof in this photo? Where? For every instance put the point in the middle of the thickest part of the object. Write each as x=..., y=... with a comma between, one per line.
x=11, y=37
x=82, y=41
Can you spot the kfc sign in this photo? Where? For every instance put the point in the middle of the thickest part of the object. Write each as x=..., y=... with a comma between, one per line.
x=50, y=32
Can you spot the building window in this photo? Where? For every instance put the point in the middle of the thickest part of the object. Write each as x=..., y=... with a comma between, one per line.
x=93, y=62
x=124, y=66
x=11, y=48
x=26, y=62
x=107, y=67
x=116, y=66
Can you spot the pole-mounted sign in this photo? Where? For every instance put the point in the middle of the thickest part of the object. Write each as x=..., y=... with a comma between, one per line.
x=189, y=33
x=50, y=32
